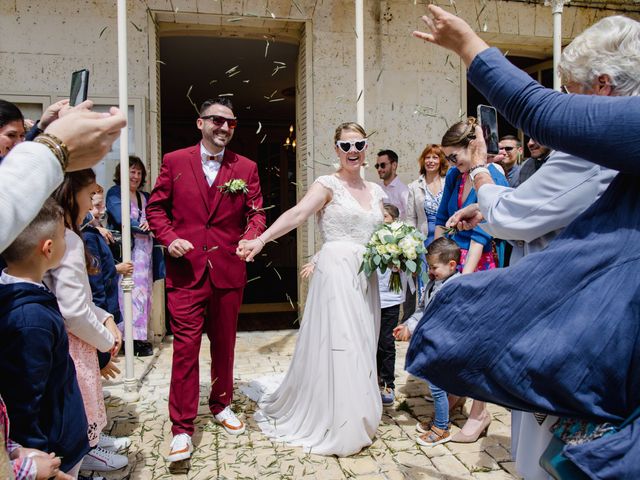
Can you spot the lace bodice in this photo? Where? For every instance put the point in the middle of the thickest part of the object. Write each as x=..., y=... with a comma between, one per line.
x=343, y=218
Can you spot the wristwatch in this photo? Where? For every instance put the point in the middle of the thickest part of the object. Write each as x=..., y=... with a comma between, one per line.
x=478, y=169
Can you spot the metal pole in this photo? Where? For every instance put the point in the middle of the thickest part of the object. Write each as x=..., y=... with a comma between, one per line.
x=556, y=10
x=360, y=62
x=360, y=66
x=130, y=382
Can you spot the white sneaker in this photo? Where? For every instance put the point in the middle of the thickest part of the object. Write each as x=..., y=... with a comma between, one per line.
x=115, y=444
x=181, y=448
x=230, y=422
x=103, y=460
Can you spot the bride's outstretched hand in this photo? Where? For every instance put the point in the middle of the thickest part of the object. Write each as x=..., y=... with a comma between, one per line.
x=248, y=249
x=451, y=32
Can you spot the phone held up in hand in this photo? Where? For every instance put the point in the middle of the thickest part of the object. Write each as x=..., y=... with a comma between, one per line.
x=79, y=87
x=488, y=121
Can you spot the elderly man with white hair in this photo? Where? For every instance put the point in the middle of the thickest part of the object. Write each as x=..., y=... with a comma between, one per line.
x=564, y=338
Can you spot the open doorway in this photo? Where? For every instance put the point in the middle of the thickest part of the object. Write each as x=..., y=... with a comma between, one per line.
x=259, y=77
x=540, y=70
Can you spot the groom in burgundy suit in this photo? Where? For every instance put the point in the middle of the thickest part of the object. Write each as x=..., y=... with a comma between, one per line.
x=200, y=217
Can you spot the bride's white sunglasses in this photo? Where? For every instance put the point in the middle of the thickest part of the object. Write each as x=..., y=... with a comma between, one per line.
x=347, y=145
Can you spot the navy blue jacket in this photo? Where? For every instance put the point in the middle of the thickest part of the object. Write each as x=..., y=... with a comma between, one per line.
x=37, y=375
x=104, y=285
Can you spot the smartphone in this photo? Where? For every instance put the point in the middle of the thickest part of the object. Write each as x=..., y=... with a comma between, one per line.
x=79, y=87
x=488, y=120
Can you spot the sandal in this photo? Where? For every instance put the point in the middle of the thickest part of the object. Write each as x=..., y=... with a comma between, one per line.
x=424, y=427
x=434, y=437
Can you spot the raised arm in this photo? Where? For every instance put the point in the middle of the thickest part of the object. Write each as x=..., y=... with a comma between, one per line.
x=312, y=202
x=590, y=127
x=256, y=219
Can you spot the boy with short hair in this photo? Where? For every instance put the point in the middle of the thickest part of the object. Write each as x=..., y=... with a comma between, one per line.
x=390, y=302
x=443, y=257
x=37, y=376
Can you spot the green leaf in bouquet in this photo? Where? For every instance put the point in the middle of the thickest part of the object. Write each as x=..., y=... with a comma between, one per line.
x=376, y=260
x=383, y=268
x=362, y=266
x=396, y=262
x=411, y=265
x=388, y=238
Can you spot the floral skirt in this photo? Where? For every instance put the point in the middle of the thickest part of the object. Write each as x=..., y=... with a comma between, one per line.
x=487, y=260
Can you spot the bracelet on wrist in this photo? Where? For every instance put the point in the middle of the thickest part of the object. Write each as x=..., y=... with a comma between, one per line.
x=261, y=241
x=57, y=147
x=478, y=169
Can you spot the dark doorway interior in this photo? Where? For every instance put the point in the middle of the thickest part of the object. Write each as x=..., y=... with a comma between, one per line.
x=475, y=98
x=260, y=81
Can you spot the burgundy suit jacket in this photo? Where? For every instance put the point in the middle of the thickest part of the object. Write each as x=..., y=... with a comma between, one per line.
x=182, y=205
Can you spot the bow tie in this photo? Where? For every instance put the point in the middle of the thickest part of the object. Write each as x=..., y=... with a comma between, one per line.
x=215, y=158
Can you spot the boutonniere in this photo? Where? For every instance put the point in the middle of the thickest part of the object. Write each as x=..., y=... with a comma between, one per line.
x=237, y=185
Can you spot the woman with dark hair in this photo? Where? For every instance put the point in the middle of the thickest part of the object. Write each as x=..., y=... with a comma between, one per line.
x=141, y=251
x=11, y=127
x=425, y=193
x=476, y=246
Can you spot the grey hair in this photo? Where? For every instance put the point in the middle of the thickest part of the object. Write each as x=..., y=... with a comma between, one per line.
x=610, y=46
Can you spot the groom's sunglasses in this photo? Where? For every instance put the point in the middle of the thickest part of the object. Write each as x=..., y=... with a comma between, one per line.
x=347, y=145
x=219, y=121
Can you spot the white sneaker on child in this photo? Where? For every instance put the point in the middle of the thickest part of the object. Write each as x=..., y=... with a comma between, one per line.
x=102, y=460
x=115, y=444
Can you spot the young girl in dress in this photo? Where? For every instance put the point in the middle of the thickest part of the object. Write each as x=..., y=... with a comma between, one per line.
x=90, y=328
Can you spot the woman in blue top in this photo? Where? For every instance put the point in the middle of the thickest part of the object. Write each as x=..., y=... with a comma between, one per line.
x=476, y=247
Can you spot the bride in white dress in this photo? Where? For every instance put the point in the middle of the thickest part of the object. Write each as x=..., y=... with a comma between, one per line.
x=329, y=401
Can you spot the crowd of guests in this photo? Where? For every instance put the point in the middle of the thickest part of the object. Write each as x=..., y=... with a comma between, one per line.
x=61, y=321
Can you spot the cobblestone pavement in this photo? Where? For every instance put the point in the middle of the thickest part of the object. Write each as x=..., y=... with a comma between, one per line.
x=394, y=454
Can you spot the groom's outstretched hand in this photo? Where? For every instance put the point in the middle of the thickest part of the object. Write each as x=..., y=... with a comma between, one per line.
x=248, y=249
x=452, y=33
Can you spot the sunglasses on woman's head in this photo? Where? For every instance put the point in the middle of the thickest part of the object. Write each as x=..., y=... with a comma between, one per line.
x=219, y=121
x=347, y=145
x=453, y=158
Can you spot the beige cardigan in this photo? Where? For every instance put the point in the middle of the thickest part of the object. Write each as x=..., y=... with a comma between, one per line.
x=70, y=284
x=416, y=216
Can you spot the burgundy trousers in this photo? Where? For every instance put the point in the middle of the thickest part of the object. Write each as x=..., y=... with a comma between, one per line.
x=201, y=308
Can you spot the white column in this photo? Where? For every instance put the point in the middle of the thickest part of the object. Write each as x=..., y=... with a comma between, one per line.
x=360, y=62
x=130, y=382
x=556, y=10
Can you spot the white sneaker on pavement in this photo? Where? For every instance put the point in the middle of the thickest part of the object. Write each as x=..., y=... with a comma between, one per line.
x=230, y=422
x=115, y=444
x=181, y=448
x=102, y=460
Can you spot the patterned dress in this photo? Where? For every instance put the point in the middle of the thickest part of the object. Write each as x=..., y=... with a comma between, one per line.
x=141, y=256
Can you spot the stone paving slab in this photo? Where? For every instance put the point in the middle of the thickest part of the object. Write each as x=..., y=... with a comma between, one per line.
x=394, y=454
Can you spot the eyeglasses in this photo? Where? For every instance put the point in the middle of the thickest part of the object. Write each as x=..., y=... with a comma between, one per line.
x=219, y=121
x=453, y=158
x=506, y=149
x=347, y=145
x=380, y=165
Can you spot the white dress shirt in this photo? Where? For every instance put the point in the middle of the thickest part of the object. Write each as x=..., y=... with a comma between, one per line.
x=210, y=167
x=398, y=194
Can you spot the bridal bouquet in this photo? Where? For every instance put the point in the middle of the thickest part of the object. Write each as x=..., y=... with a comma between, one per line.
x=396, y=246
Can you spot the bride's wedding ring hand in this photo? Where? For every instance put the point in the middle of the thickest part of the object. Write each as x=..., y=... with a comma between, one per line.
x=248, y=249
